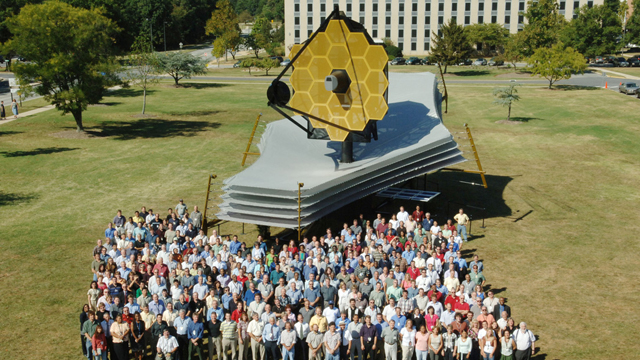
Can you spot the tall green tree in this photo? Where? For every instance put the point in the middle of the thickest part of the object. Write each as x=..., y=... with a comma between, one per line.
x=515, y=49
x=556, y=63
x=143, y=67
x=70, y=54
x=488, y=35
x=223, y=24
x=544, y=23
x=452, y=46
x=633, y=24
x=506, y=96
x=180, y=65
x=594, y=32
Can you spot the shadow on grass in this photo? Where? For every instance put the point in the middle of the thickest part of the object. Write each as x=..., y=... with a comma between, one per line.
x=202, y=85
x=471, y=73
x=153, y=128
x=38, y=151
x=129, y=92
x=3, y=133
x=14, y=198
x=194, y=113
x=573, y=87
x=523, y=118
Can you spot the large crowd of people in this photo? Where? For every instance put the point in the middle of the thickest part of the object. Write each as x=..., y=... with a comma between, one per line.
x=375, y=290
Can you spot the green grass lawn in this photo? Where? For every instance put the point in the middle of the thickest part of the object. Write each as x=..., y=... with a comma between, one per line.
x=572, y=165
x=466, y=72
x=633, y=71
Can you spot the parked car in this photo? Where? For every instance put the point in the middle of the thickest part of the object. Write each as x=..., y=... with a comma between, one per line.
x=599, y=59
x=238, y=64
x=426, y=61
x=633, y=62
x=622, y=62
x=398, y=61
x=277, y=58
x=628, y=88
x=480, y=62
x=285, y=62
x=495, y=62
x=413, y=61
x=465, y=62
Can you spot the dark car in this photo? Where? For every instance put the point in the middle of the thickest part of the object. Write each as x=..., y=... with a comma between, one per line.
x=413, y=61
x=465, y=62
x=628, y=88
x=398, y=61
x=622, y=62
x=600, y=59
x=277, y=58
x=495, y=62
x=426, y=61
x=633, y=62
x=238, y=64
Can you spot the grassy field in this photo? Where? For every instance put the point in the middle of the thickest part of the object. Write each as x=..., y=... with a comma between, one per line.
x=466, y=72
x=570, y=166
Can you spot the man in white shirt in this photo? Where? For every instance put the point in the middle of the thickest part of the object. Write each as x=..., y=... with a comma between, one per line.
x=435, y=229
x=201, y=288
x=408, y=339
x=435, y=304
x=302, y=331
x=389, y=310
x=167, y=346
x=331, y=312
x=257, y=305
x=402, y=215
x=254, y=329
x=525, y=342
x=490, y=302
x=423, y=281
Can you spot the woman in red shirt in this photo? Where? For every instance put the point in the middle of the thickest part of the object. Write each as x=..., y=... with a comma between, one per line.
x=431, y=318
x=99, y=343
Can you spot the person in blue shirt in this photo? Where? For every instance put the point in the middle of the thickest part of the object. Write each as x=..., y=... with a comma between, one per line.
x=181, y=324
x=195, y=330
x=312, y=294
x=250, y=295
x=309, y=269
x=400, y=319
x=409, y=254
x=294, y=294
x=217, y=310
x=226, y=298
x=275, y=275
x=271, y=336
x=235, y=245
x=249, y=264
x=110, y=232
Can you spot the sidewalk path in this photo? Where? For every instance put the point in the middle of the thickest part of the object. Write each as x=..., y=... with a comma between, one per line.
x=10, y=117
x=627, y=76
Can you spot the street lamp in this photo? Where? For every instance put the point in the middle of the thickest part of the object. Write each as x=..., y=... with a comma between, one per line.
x=164, y=31
x=300, y=185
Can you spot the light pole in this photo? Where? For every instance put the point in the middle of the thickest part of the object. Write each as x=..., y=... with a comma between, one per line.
x=164, y=31
x=300, y=185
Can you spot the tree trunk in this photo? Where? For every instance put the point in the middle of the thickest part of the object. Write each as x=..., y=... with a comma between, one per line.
x=509, y=113
x=77, y=115
x=550, y=83
x=226, y=55
x=445, y=69
x=176, y=80
x=144, y=99
x=257, y=51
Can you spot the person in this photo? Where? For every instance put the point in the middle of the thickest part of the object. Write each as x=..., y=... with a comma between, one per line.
x=3, y=113
x=88, y=329
x=84, y=316
x=167, y=346
x=390, y=337
x=157, y=330
x=181, y=324
x=435, y=343
x=195, y=331
x=302, y=331
x=99, y=344
x=243, y=337
x=462, y=219
x=229, y=330
x=525, y=342
x=137, y=330
x=368, y=339
x=488, y=346
x=288, y=342
x=215, y=338
x=431, y=318
x=314, y=341
x=120, y=335
x=422, y=343
x=507, y=346
x=319, y=320
x=14, y=108
x=271, y=335
x=254, y=329
x=462, y=351
x=408, y=339
x=355, y=345
x=449, y=339
x=332, y=340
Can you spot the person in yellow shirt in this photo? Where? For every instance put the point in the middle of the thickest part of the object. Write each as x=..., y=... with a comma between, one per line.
x=137, y=218
x=462, y=219
x=319, y=320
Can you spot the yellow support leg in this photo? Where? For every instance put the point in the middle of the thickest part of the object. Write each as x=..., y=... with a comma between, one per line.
x=253, y=132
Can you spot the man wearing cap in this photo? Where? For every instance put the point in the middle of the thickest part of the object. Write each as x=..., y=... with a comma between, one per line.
x=368, y=339
x=332, y=340
x=354, y=331
x=390, y=337
x=330, y=312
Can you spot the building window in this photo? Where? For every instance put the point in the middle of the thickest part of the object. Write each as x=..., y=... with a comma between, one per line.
x=562, y=5
x=388, y=7
x=374, y=33
x=375, y=7
x=401, y=20
x=521, y=6
x=414, y=20
x=414, y=7
x=590, y=4
x=494, y=6
x=440, y=20
x=309, y=20
x=520, y=19
x=480, y=19
x=427, y=7
x=413, y=46
x=507, y=6
x=322, y=19
x=375, y=20
x=387, y=33
x=441, y=7
x=426, y=33
x=414, y=33
x=400, y=33
x=467, y=7
x=297, y=33
x=507, y=19
x=309, y=32
x=454, y=7
x=309, y=7
x=426, y=46
x=349, y=7
x=494, y=19
x=454, y=19
x=467, y=20
x=388, y=20
x=401, y=7
x=296, y=7
x=439, y=32
x=401, y=46
x=362, y=7
x=481, y=7
x=362, y=20
x=323, y=7
x=427, y=20
x=296, y=20
x=576, y=6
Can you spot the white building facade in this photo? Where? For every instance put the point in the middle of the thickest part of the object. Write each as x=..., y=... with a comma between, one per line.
x=410, y=24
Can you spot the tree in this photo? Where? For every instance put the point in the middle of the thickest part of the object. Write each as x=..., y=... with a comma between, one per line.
x=505, y=96
x=181, y=65
x=251, y=43
x=143, y=67
x=393, y=51
x=70, y=52
x=544, y=23
x=267, y=64
x=556, y=63
x=273, y=10
x=633, y=24
x=452, y=46
x=262, y=32
x=488, y=35
x=594, y=32
x=245, y=17
x=514, y=49
x=224, y=25
x=249, y=63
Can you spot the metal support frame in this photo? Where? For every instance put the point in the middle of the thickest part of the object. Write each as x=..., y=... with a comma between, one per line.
x=300, y=186
x=206, y=204
x=253, y=132
x=477, y=158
